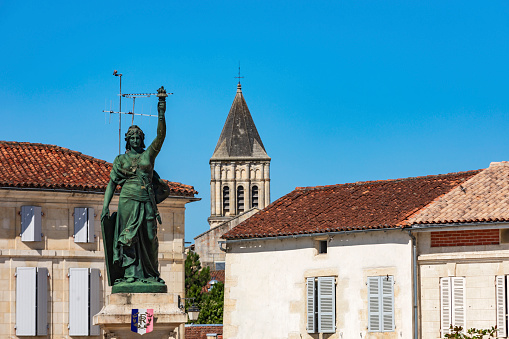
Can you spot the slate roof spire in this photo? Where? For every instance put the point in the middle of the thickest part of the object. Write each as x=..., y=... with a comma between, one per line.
x=239, y=138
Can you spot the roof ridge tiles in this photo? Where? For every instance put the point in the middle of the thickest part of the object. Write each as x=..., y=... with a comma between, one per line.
x=310, y=188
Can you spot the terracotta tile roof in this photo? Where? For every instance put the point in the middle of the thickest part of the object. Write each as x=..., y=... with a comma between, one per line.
x=214, y=275
x=356, y=206
x=40, y=166
x=484, y=197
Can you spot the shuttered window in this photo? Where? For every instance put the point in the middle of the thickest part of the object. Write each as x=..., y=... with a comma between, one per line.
x=381, y=304
x=452, y=303
x=83, y=224
x=84, y=301
x=501, y=295
x=321, y=305
x=31, y=301
x=31, y=229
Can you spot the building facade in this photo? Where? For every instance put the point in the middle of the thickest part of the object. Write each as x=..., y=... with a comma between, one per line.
x=52, y=270
x=239, y=183
x=404, y=258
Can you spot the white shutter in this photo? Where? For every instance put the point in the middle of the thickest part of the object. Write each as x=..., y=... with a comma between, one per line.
x=78, y=301
x=326, y=305
x=42, y=301
x=445, y=305
x=26, y=301
x=31, y=223
x=387, y=296
x=95, y=304
x=374, y=321
x=458, y=302
x=90, y=224
x=310, y=299
x=501, y=307
x=80, y=224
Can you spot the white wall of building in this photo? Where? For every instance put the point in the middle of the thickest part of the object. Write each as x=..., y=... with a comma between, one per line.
x=265, y=293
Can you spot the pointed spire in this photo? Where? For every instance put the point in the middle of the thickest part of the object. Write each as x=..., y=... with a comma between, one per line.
x=239, y=138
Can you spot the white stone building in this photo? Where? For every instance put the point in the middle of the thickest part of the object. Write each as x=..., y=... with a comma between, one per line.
x=52, y=271
x=398, y=258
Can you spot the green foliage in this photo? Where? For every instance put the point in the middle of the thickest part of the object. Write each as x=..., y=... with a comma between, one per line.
x=212, y=306
x=196, y=278
x=472, y=333
x=210, y=303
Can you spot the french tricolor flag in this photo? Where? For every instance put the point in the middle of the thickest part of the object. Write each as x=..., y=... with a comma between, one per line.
x=142, y=320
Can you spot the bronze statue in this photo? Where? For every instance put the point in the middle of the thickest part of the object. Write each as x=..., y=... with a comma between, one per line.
x=130, y=235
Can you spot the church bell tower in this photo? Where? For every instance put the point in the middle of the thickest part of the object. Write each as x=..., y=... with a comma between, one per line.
x=239, y=167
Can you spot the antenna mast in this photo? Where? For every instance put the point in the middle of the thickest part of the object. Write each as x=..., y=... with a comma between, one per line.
x=133, y=96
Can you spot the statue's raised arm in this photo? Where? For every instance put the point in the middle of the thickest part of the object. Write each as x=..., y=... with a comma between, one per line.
x=156, y=145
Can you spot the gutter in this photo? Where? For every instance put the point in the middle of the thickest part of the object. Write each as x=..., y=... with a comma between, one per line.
x=63, y=190
x=414, y=283
x=293, y=236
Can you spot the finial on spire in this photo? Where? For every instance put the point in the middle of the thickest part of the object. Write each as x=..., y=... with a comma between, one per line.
x=239, y=77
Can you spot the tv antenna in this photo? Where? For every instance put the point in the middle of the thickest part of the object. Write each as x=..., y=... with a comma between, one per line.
x=132, y=113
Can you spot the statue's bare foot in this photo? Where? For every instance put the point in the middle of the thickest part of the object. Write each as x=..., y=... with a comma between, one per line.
x=130, y=280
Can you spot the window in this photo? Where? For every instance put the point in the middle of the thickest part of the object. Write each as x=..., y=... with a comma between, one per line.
x=452, y=303
x=254, y=197
x=31, y=301
x=381, y=304
x=322, y=246
x=240, y=199
x=219, y=265
x=226, y=200
x=321, y=304
x=31, y=223
x=501, y=296
x=84, y=291
x=83, y=224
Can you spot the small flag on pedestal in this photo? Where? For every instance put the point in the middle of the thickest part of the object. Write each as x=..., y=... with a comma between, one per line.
x=142, y=320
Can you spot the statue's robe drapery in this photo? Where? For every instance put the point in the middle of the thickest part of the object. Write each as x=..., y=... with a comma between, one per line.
x=130, y=235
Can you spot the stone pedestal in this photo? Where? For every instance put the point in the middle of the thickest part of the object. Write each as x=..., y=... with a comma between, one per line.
x=115, y=317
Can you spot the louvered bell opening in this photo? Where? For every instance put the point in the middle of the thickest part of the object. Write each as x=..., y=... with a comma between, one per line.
x=240, y=199
x=254, y=197
x=226, y=200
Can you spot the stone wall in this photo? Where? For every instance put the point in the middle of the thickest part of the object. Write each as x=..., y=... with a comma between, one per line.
x=58, y=252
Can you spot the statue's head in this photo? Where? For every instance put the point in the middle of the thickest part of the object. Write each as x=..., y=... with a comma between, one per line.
x=134, y=131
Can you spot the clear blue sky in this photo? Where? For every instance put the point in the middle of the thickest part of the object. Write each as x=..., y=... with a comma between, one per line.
x=341, y=91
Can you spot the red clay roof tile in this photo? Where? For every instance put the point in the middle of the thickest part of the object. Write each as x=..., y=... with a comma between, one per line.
x=346, y=207
x=40, y=166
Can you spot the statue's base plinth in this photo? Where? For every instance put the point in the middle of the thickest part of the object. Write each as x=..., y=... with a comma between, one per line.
x=115, y=317
x=139, y=287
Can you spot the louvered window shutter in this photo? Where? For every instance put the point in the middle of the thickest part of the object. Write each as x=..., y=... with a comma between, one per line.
x=387, y=303
x=31, y=223
x=326, y=305
x=445, y=305
x=90, y=224
x=80, y=225
x=458, y=302
x=78, y=301
x=95, y=305
x=374, y=321
x=501, y=307
x=42, y=301
x=310, y=299
x=26, y=301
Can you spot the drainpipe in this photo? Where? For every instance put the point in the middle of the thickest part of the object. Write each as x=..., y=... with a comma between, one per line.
x=414, y=282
